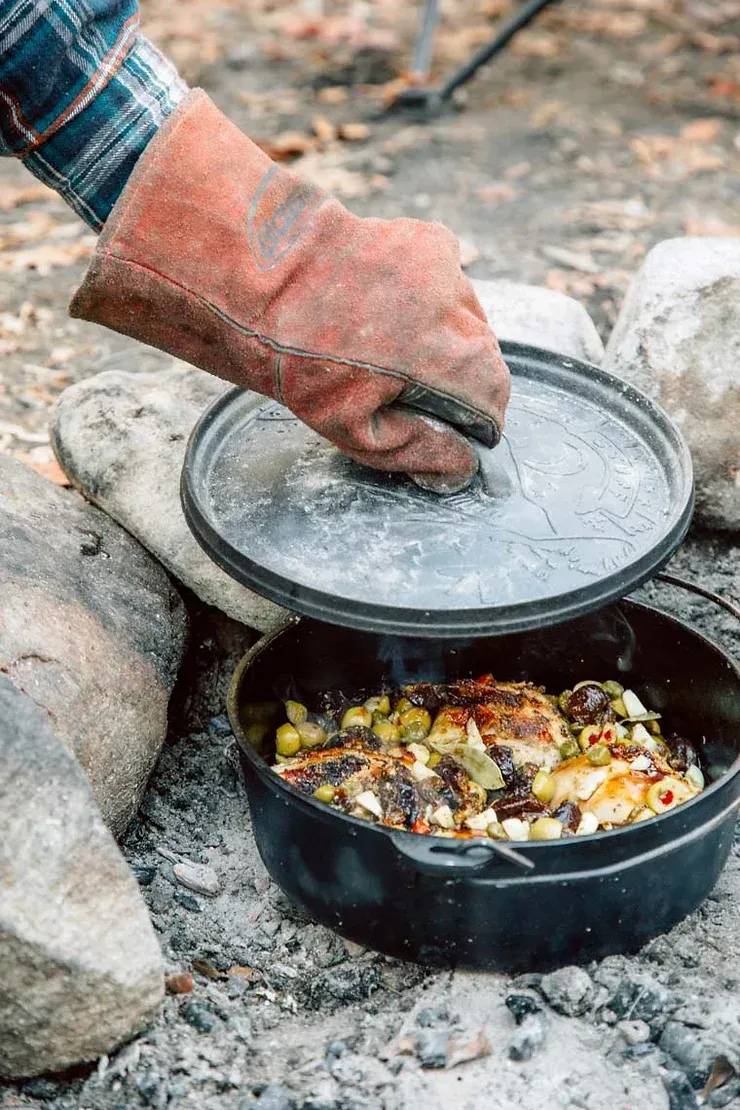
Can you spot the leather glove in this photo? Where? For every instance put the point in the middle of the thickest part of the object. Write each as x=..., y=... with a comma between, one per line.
x=364, y=328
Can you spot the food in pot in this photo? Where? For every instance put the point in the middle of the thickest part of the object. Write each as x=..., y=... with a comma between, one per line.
x=493, y=759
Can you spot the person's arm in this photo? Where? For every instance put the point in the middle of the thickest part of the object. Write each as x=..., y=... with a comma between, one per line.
x=82, y=93
x=366, y=329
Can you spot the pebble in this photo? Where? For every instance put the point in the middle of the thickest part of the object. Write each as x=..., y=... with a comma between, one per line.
x=198, y=877
x=529, y=1037
x=200, y=1016
x=219, y=726
x=642, y=998
x=681, y=1095
x=568, y=990
x=634, y=1032
x=181, y=982
x=432, y=1047
x=187, y=901
x=523, y=1002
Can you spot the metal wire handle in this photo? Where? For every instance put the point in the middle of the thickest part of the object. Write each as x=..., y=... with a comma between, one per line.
x=723, y=602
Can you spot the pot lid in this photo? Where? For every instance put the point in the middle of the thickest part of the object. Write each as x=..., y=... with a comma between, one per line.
x=589, y=492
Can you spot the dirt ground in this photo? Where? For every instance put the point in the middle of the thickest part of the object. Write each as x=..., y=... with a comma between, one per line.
x=610, y=125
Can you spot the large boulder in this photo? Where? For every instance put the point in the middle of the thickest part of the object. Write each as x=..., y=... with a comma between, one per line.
x=80, y=968
x=91, y=629
x=121, y=438
x=539, y=317
x=678, y=339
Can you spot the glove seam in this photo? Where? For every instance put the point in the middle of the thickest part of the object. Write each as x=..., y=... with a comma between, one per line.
x=283, y=349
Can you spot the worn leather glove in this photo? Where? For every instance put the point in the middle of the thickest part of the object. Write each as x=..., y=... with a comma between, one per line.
x=359, y=326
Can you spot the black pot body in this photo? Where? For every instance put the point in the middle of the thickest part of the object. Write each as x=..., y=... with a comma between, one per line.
x=452, y=903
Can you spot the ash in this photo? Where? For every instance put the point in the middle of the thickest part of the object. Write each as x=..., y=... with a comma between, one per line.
x=285, y=1015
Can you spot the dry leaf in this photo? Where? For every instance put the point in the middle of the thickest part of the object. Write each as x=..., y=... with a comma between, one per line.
x=469, y=253
x=47, y=257
x=286, y=145
x=323, y=129
x=722, y=1070
x=479, y=1046
x=332, y=94
x=547, y=113
x=497, y=192
x=47, y=469
x=243, y=972
x=534, y=44
x=702, y=130
x=204, y=968
x=354, y=132
x=709, y=227
x=13, y=196
x=576, y=260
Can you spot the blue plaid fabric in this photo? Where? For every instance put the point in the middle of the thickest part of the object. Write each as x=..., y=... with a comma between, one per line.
x=81, y=95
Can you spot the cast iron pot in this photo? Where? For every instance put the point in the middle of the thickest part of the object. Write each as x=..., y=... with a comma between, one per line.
x=468, y=903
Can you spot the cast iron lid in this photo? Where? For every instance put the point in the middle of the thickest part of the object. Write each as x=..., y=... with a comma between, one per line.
x=588, y=494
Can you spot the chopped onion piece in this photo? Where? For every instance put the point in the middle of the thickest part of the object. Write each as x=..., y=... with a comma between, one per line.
x=442, y=816
x=640, y=735
x=516, y=829
x=695, y=777
x=642, y=763
x=588, y=825
x=370, y=802
x=422, y=773
x=632, y=704
x=420, y=752
x=481, y=821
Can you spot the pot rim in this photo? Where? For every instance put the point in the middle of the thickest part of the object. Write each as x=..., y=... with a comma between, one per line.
x=293, y=794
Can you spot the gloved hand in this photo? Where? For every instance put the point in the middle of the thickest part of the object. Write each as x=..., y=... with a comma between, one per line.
x=226, y=260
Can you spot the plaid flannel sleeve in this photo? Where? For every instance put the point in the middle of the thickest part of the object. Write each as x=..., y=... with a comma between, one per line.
x=81, y=95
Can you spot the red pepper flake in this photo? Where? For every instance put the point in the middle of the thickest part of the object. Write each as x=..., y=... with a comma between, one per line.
x=420, y=826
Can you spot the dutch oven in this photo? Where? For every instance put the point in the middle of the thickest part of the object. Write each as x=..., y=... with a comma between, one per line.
x=524, y=576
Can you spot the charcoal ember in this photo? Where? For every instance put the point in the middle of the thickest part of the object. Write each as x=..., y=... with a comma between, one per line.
x=639, y=997
x=681, y=1095
x=682, y=753
x=529, y=1037
x=694, y=1050
x=521, y=1002
x=569, y=990
x=569, y=815
x=588, y=706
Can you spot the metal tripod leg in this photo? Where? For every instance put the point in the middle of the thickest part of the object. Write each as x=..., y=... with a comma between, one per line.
x=429, y=101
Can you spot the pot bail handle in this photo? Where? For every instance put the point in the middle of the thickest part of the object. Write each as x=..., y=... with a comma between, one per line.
x=683, y=584
x=454, y=858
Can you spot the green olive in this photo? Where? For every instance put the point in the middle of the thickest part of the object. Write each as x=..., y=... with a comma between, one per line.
x=564, y=699
x=434, y=759
x=543, y=786
x=324, y=793
x=664, y=795
x=589, y=736
x=619, y=707
x=416, y=716
x=295, y=712
x=613, y=689
x=287, y=740
x=654, y=728
x=381, y=704
x=357, y=715
x=311, y=734
x=414, y=733
x=546, y=828
x=388, y=733
x=569, y=749
x=599, y=755
x=402, y=705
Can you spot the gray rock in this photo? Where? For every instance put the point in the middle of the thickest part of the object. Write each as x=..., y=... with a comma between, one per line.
x=121, y=438
x=678, y=339
x=541, y=317
x=96, y=640
x=569, y=990
x=432, y=1047
x=80, y=968
x=639, y=997
x=198, y=877
x=200, y=1016
x=696, y=1050
x=681, y=1096
x=529, y=1037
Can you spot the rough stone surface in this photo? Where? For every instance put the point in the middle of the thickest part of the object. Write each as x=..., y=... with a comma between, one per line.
x=678, y=339
x=542, y=317
x=80, y=967
x=121, y=438
x=569, y=990
x=91, y=629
